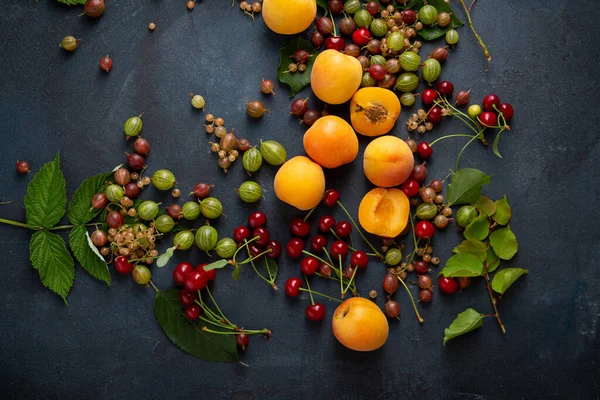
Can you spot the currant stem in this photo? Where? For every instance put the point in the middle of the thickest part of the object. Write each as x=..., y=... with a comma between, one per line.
x=358, y=229
x=412, y=300
x=486, y=52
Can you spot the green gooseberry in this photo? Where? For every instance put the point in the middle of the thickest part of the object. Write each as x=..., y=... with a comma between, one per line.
x=191, y=210
x=163, y=179
x=147, y=210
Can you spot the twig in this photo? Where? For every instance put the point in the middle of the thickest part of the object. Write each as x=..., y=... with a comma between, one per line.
x=486, y=276
x=486, y=52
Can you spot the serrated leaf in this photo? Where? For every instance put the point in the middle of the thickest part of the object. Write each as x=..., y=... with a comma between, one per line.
x=87, y=254
x=72, y=2
x=466, y=185
x=472, y=246
x=492, y=260
x=434, y=32
x=464, y=322
x=486, y=205
x=506, y=277
x=479, y=228
x=295, y=80
x=503, y=212
x=462, y=266
x=50, y=257
x=46, y=198
x=80, y=208
x=188, y=335
x=164, y=258
x=216, y=265
x=504, y=242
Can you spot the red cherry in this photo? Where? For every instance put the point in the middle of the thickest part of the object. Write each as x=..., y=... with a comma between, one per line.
x=335, y=43
x=315, y=312
x=254, y=249
x=242, y=340
x=488, y=118
x=309, y=265
x=359, y=259
x=195, y=281
x=263, y=236
x=275, y=248
x=192, y=312
x=181, y=271
x=377, y=71
x=299, y=227
x=210, y=275
x=506, y=110
x=331, y=197
x=445, y=88
x=338, y=248
x=257, y=219
x=187, y=298
x=123, y=266
x=343, y=229
x=435, y=115
x=424, y=230
x=410, y=187
x=241, y=233
x=424, y=150
x=318, y=242
x=361, y=37
x=429, y=96
x=447, y=285
x=294, y=247
x=292, y=287
x=490, y=101
x=326, y=222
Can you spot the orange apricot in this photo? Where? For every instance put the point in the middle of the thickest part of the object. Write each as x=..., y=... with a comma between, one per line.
x=360, y=325
x=374, y=111
x=388, y=161
x=288, y=17
x=300, y=182
x=384, y=212
x=335, y=77
x=331, y=142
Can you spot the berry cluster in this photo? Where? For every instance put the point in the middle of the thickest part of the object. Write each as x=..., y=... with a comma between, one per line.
x=299, y=108
x=229, y=147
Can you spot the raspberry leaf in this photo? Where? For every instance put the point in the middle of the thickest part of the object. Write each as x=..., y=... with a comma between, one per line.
x=80, y=208
x=46, y=198
x=87, y=254
x=49, y=255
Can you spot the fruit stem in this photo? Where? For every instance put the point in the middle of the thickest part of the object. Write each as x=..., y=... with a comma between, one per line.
x=486, y=276
x=312, y=300
x=154, y=286
x=332, y=21
x=55, y=228
x=214, y=322
x=15, y=223
x=309, y=213
x=241, y=247
x=317, y=257
x=486, y=52
x=265, y=332
x=351, y=280
x=320, y=294
x=350, y=246
x=261, y=276
x=341, y=276
x=358, y=229
x=246, y=261
x=412, y=300
x=217, y=306
x=210, y=313
x=450, y=136
x=463, y=149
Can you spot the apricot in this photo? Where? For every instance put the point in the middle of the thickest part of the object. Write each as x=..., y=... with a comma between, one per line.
x=335, y=77
x=331, y=142
x=384, y=212
x=300, y=182
x=288, y=17
x=360, y=325
x=388, y=161
x=374, y=111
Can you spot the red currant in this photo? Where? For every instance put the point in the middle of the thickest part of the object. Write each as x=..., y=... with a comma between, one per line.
x=123, y=266
x=490, y=101
x=275, y=248
x=410, y=187
x=187, y=298
x=361, y=37
x=338, y=248
x=294, y=247
x=181, y=271
x=424, y=150
x=195, y=281
x=242, y=340
x=335, y=43
x=210, y=275
x=263, y=236
x=318, y=242
x=309, y=265
x=506, y=110
x=315, y=312
x=435, y=115
x=377, y=71
x=192, y=312
x=257, y=219
x=429, y=96
x=424, y=230
x=331, y=197
x=23, y=167
x=488, y=118
x=292, y=287
x=359, y=259
x=326, y=222
x=447, y=285
x=445, y=88
x=421, y=267
x=343, y=229
x=241, y=233
x=299, y=227
x=106, y=63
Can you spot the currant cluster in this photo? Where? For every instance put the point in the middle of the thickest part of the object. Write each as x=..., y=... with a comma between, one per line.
x=299, y=108
x=250, y=8
x=229, y=147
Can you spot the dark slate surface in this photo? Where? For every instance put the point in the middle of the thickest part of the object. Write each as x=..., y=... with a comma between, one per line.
x=107, y=344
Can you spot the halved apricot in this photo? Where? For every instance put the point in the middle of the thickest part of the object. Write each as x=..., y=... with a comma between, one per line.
x=374, y=111
x=384, y=212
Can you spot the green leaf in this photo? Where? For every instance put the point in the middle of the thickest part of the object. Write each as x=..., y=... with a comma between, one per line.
x=80, y=209
x=479, y=228
x=49, y=255
x=466, y=185
x=188, y=335
x=503, y=212
x=271, y=267
x=506, y=277
x=323, y=4
x=236, y=273
x=492, y=260
x=495, y=145
x=462, y=266
x=465, y=322
x=46, y=198
x=434, y=32
x=472, y=246
x=164, y=258
x=216, y=265
x=486, y=205
x=87, y=254
x=72, y=2
x=295, y=80
x=410, y=4
x=504, y=243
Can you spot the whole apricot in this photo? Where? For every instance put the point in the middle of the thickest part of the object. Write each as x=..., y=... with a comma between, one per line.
x=300, y=182
x=374, y=111
x=384, y=212
x=331, y=142
x=335, y=77
x=388, y=161
x=288, y=17
x=360, y=325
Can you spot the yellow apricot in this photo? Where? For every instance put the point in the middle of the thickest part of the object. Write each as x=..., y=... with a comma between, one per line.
x=335, y=77
x=374, y=111
x=300, y=182
x=388, y=161
x=384, y=212
x=331, y=142
x=288, y=17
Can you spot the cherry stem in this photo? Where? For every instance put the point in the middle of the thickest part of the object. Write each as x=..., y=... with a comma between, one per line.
x=317, y=257
x=214, y=322
x=217, y=319
x=341, y=276
x=216, y=305
x=309, y=213
x=412, y=300
x=350, y=246
x=351, y=280
x=312, y=300
x=272, y=276
x=265, y=332
x=261, y=276
x=450, y=136
x=246, y=261
x=486, y=276
x=241, y=247
x=332, y=22
x=486, y=52
x=358, y=229
x=320, y=294
x=463, y=149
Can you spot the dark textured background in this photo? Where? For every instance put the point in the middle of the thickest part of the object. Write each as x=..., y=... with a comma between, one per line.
x=107, y=343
